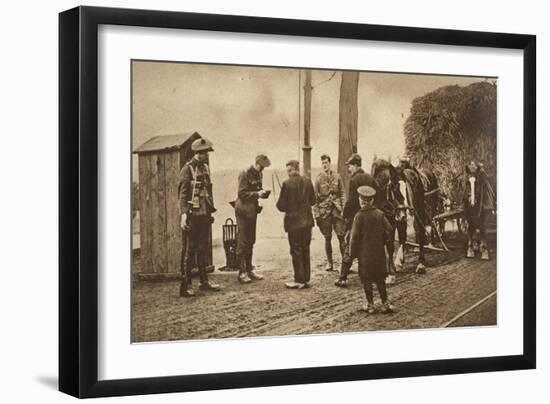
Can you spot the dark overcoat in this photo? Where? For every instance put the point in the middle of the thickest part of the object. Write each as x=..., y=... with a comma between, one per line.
x=369, y=234
x=359, y=178
x=295, y=200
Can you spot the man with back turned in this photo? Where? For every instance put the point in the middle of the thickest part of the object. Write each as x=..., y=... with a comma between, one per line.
x=295, y=200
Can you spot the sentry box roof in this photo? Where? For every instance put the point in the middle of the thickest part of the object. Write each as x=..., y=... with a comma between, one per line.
x=166, y=142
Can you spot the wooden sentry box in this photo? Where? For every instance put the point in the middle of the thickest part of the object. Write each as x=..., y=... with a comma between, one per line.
x=160, y=160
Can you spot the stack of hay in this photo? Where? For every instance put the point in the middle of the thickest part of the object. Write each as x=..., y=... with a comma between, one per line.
x=451, y=126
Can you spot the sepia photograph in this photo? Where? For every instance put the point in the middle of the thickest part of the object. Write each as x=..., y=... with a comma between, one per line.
x=288, y=201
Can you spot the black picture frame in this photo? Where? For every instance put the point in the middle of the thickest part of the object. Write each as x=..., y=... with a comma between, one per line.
x=78, y=200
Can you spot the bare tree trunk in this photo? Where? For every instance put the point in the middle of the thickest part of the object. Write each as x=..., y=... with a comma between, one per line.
x=347, y=143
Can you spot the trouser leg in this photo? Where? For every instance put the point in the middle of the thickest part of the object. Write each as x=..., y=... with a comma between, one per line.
x=199, y=234
x=381, y=286
x=470, y=253
x=368, y=292
x=249, y=260
x=306, y=241
x=186, y=266
x=345, y=268
x=484, y=249
x=296, y=254
x=328, y=247
x=241, y=262
x=325, y=226
x=190, y=256
x=201, y=264
x=342, y=245
x=340, y=230
x=347, y=261
x=245, y=242
x=243, y=274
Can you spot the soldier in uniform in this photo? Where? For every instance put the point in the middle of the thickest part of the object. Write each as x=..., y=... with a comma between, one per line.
x=295, y=200
x=358, y=178
x=247, y=207
x=329, y=206
x=370, y=233
x=196, y=208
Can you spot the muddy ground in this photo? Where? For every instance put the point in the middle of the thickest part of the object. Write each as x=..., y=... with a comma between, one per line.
x=266, y=308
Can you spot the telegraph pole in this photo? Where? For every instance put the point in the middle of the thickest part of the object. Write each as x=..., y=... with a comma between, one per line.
x=306, y=148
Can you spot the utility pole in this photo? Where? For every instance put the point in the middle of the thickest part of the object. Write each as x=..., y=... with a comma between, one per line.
x=306, y=148
x=347, y=140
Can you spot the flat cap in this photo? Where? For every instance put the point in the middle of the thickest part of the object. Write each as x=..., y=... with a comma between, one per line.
x=201, y=144
x=294, y=164
x=354, y=159
x=365, y=191
x=263, y=160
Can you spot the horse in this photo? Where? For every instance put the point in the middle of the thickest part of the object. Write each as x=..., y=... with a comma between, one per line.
x=479, y=201
x=402, y=194
x=433, y=200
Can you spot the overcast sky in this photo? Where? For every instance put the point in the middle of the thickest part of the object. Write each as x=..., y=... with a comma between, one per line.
x=248, y=110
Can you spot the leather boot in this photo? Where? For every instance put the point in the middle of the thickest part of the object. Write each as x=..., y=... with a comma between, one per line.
x=185, y=286
x=186, y=290
x=328, y=251
x=484, y=251
x=250, y=268
x=243, y=274
x=205, y=284
x=470, y=253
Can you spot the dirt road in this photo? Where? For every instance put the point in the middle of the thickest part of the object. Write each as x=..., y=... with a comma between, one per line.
x=266, y=308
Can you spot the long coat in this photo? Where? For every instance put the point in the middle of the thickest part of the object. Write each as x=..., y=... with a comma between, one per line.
x=369, y=234
x=358, y=179
x=295, y=200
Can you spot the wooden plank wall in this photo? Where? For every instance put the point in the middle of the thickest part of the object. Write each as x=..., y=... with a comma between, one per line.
x=145, y=213
x=173, y=230
x=158, y=207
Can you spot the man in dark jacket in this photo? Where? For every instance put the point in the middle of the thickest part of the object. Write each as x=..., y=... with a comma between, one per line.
x=479, y=204
x=358, y=178
x=196, y=208
x=370, y=233
x=247, y=207
x=295, y=200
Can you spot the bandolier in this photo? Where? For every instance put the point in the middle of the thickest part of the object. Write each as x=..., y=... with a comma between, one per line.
x=196, y=208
